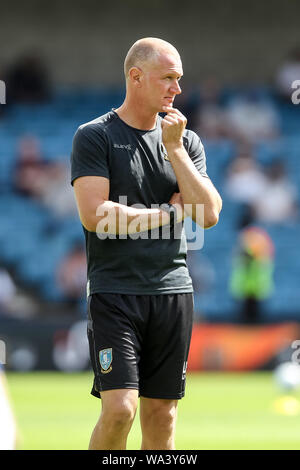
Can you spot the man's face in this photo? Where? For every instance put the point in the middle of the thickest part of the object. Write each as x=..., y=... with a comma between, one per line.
x=161, y=81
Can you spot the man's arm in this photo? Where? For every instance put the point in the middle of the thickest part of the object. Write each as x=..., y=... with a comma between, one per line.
x=194, y=188
x=98, y=214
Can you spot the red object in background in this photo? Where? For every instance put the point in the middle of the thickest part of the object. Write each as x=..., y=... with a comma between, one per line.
x=237, y=348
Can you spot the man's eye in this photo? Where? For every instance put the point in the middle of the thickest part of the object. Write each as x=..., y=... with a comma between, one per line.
x=172, y=78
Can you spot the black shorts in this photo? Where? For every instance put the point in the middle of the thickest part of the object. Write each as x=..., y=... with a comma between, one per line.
x=140, y=342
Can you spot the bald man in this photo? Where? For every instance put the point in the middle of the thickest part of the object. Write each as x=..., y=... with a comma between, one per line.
x=136, y=176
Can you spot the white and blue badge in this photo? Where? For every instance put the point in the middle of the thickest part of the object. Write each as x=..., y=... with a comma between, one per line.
x=105, y=357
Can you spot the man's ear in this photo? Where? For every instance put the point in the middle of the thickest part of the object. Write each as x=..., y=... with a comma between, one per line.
x=135, y=76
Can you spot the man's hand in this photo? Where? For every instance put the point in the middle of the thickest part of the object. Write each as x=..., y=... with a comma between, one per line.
x=176, y=200
x=173, y=126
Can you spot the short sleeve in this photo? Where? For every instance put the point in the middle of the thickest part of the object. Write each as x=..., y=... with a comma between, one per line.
x=89, y=156
x=196, y=151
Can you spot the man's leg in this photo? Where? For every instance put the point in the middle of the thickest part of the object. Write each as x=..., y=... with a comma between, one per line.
x=158, y=420
x=117, y=415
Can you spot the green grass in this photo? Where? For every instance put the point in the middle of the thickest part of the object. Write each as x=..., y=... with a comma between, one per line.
x=220, y=411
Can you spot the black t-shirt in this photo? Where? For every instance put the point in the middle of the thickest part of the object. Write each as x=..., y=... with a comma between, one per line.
x=139, y=172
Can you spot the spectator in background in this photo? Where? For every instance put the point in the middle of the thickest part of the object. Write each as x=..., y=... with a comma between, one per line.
x=56, y=194
x=7, y=292
x=287, y=73
x=251, y=280
x=245, y=180
x=72, y=275
x=31, y=168
x=44, y=181
x=210, y=118
x=252, y=118
x=279, y=201
x=27, y=80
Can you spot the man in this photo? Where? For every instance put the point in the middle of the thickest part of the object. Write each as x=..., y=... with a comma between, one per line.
x=140, y=292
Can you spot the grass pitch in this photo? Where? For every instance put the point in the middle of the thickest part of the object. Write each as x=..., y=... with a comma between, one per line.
x=220, y=411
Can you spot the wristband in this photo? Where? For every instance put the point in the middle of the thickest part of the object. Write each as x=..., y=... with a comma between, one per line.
x=172, y=211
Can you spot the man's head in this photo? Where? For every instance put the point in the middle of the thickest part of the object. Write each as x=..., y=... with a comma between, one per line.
x=152, y=70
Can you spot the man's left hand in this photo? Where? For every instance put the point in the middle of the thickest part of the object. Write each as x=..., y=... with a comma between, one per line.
x=173, y=126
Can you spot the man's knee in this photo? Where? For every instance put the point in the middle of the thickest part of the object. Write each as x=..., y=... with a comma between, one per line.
x=160, y=414
x=119, y=416
x=119, y=411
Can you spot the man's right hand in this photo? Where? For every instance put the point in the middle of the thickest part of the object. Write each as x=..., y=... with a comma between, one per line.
x=176, y=200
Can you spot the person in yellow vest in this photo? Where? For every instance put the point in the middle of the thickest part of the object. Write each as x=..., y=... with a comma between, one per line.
x=251, y=279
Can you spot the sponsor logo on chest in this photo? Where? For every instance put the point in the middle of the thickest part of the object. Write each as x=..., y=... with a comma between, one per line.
x=122, y=146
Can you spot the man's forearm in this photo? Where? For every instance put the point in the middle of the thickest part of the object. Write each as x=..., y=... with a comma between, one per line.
x=119, y=219
x=195, y=190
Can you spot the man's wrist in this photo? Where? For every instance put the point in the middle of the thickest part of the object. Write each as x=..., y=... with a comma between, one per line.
x=174, y=146
x=172, y=211
x=175, y=151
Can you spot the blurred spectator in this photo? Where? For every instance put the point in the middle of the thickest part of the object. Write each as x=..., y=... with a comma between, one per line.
x=56, y=193
x=15, y=302
x=252, y=118
x=279, y=201
x=31, y=168
x=27, y=81
x=7, y=292
x=251, y=280
x=287, y=74
x=210, y=120
x=245, y=180
x=72, y=275
x=42, y=180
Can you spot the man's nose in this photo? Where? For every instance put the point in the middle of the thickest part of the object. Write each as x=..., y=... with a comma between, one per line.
x=176, y=88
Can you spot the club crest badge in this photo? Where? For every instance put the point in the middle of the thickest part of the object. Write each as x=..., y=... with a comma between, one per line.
x=105, y=357
x=164, y=152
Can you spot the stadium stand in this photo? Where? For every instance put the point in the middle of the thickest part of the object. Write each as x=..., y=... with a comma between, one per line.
x=33, y=239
